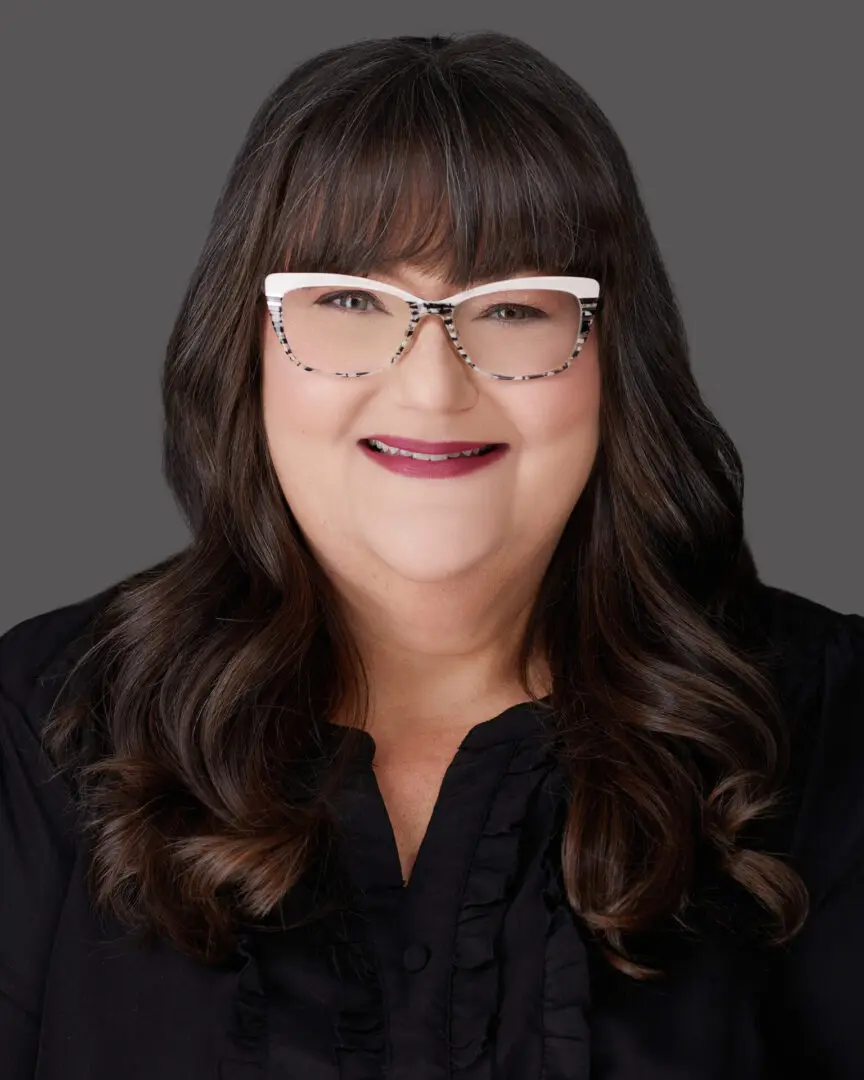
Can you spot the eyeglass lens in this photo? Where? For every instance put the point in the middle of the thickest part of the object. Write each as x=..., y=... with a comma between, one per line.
x=512, y=332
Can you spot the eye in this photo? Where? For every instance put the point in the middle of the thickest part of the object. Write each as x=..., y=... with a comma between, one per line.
x=519, y=312
x=364, y=298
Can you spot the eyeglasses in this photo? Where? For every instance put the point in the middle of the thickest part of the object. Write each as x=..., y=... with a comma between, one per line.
x=521, y=328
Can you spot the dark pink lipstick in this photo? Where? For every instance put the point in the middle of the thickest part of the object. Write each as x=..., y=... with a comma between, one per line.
x=487, y=454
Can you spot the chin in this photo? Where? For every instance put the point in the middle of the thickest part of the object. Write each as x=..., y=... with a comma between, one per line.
x=430, y=568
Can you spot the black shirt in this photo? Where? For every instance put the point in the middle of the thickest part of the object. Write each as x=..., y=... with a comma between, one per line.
x=477, y=969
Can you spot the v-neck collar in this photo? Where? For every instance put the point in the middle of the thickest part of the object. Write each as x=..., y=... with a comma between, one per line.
x=518, y=721
x=467, y=790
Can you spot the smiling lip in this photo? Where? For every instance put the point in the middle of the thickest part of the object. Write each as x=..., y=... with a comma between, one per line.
x=418, y=446
x=434, y=468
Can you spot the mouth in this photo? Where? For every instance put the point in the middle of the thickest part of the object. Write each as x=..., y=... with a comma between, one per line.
x=465, y=449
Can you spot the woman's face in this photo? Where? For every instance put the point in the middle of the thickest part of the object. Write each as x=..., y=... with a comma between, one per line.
x=368, y=524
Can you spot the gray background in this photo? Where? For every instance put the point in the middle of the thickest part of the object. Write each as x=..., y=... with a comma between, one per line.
x=742, y=120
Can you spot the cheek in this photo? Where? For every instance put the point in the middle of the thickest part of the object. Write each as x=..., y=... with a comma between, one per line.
x=298, y=406
x=293, y=423
x=307, y=429
x=294, y=402
x=561, y=428
x=566, y=410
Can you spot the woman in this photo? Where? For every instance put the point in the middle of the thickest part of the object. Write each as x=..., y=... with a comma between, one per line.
x=499, y=764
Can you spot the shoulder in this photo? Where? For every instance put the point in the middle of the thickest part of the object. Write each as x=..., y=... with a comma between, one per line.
x=818, y=662
x=36, y=654
x=38, y=651
x=819, y=677
x=39, y=837
x=803, y=626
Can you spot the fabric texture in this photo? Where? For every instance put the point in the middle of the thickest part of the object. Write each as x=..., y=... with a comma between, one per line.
x=477, y=969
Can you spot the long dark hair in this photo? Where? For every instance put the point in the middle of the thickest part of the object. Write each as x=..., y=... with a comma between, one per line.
x=211, y=675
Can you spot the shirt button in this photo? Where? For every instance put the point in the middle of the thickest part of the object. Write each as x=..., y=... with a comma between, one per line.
x=415, y=957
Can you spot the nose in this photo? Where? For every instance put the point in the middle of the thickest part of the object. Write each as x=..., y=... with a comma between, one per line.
x=423, y=332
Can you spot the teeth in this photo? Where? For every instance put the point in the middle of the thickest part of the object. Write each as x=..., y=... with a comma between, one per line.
x=423, y=457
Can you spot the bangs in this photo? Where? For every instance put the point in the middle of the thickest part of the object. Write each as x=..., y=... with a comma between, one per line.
x=451, y=176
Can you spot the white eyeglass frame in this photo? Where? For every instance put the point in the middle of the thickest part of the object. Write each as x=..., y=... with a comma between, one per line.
x=586, y=291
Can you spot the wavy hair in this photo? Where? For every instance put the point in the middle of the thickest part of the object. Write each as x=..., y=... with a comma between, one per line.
x=210, y=677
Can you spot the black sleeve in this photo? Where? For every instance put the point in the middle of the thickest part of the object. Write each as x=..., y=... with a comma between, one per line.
x=34, y=867
x=37, y=845
x=816, y=999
